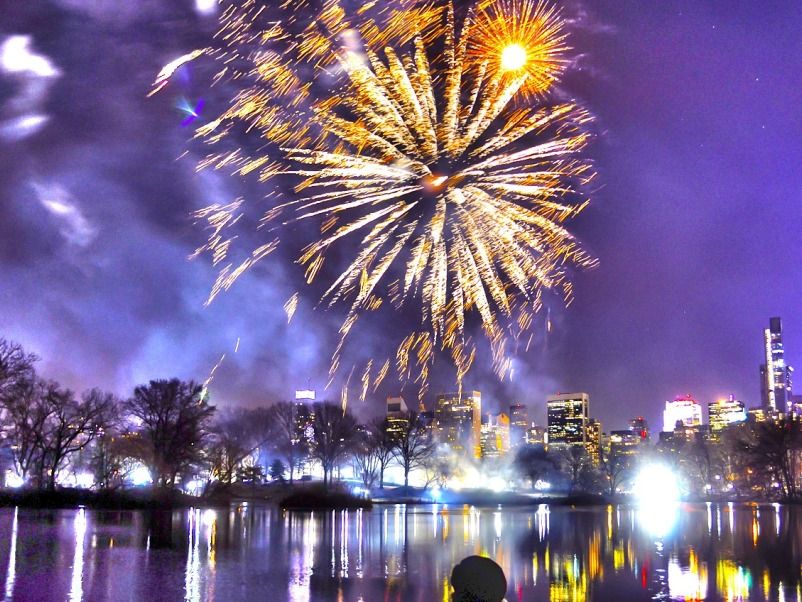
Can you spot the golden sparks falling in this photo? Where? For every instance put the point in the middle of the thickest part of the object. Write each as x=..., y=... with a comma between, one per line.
x=417, y=162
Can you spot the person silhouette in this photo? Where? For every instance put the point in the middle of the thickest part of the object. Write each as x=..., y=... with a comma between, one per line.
x=478, y=579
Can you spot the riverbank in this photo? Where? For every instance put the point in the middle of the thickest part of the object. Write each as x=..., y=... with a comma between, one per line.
x=128, y=499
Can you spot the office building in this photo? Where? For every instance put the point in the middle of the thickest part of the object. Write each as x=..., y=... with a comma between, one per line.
x=724, y=413
x=568, y=416
x=535, y=435
x=684, y=411
x=593, y=437
x=641, y=427
x=519, y=424
x=775, y=374
x=397, y=415
x=458, y=421
x=496, y=436
x=626, y=443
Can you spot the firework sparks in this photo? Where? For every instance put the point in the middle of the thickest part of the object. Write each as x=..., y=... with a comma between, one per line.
x=450, y=198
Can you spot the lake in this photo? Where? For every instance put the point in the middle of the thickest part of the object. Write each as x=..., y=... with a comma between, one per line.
x=397, y=553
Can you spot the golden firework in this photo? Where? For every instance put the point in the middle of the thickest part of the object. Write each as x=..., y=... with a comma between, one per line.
x=449, y=198
x=516, y=37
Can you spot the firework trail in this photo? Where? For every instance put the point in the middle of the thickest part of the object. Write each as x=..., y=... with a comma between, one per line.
x=423, y=146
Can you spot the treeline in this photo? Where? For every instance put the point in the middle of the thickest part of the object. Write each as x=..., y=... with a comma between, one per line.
x=169, y=427
x=750, y=460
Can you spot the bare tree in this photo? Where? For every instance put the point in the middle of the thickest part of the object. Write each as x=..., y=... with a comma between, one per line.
x=576, y=463
x=287, y=434
x=615, y=469
x=413, y=445
x=72, y=424
x=333, y=431
x=384, y=445
x=366, y=455
x=16, y=366
x=236, y=435
x=172, y=419
x=24, y=418
x=534, y=462
x=774, y=448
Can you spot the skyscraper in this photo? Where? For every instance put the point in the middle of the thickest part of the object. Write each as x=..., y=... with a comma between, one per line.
x=685, y=410
x=725, y=412
x=397, y=414
x=593, y=436
x=640, y=426
x=458, y=421
x=775, y=375
x=496, y=436
x=519, y=424
x=568, y=418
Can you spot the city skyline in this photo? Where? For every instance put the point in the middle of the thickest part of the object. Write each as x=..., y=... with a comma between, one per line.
x=95, y=254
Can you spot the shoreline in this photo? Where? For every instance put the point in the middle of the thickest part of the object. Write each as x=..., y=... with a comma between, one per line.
x=306, y=499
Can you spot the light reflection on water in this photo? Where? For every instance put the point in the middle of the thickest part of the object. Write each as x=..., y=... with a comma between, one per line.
x=395, y=554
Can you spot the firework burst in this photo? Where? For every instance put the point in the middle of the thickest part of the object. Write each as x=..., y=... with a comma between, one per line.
x=417, y=162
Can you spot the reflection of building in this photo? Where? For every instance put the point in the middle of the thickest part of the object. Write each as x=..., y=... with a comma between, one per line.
x=775, y=375
x=593, y=439
x=496, y=435
x=724, y=413
x=683, y=410
x=568, y=418
x=536, y=435
x=397, y=414
x=458, y=421
x=519, y=423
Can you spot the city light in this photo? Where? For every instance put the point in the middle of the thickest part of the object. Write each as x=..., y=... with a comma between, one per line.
x=13, y=480
x=140, y=476
x=657, y=484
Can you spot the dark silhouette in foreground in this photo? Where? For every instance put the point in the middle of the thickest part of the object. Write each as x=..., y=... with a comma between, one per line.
x=478, y=579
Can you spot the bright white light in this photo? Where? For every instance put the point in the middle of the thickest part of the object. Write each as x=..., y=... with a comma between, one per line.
x=436, y=494
x=13, y=480
x=513, y=57
x=209, y=517
x=84, y=480
x=140, y=476
x=657, y=484
x=193, y=487
x=542, y=485
x=206, y=7
x=497, y=484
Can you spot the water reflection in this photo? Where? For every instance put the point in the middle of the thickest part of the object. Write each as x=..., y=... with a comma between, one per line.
x=399, y=554
x=11, y=571
x=76, y=583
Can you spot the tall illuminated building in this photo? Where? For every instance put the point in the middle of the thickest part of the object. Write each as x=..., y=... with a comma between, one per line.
x=458, y=421
x=593, y=435
x=684, y=410
x=496, y=436
x=568, y=417
x=640, y=426
x=519, y=424
x=397, y=415
x=775, y=374
x=724, y=413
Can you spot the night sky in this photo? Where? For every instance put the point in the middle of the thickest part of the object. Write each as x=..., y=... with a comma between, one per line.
x=696, y=220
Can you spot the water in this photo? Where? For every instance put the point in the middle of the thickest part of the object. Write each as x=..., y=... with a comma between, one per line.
x=393, y=554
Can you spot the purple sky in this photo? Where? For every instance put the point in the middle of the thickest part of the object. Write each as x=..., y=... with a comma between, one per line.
x=697, y=223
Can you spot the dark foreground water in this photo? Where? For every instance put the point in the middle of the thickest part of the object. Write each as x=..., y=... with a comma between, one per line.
x=393, y=554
